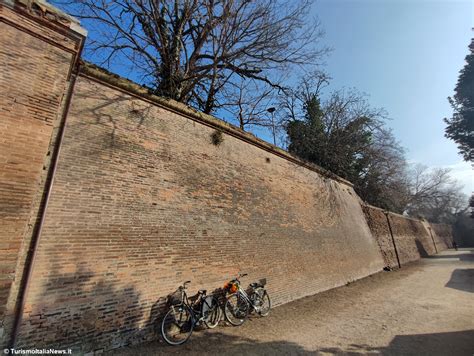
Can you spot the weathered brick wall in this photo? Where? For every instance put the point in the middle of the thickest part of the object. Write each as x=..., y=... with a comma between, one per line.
x=377, y=221
x=34, y=64
x=443, y=236
x=411, y=237
x=143, y=200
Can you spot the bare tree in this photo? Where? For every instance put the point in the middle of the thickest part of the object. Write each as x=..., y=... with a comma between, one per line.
x=249, y=103
x=384, y=180
x=435, y=195
x=292, y=101
x=191, y=50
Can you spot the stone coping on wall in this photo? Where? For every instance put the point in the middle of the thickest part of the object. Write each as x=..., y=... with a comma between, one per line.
x=94, y=72
x=385, y=211
x=43, y=9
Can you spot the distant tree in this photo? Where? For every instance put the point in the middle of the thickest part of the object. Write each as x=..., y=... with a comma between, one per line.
x=435, y=195
x=384, y=181
x=463, y=230
x=460, y=127
x=200, y=51
x=471, y=205
x=345, y=135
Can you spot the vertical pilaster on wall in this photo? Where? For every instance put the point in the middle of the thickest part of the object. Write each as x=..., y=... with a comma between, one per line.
x=432, y=238
x=39, y=50
x=393, y=238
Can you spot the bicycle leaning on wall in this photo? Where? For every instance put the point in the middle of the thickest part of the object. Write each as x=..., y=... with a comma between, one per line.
x=240, y=303
x=183, y=315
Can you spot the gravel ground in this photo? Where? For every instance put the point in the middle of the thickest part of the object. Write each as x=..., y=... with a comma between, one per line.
x=426, y=308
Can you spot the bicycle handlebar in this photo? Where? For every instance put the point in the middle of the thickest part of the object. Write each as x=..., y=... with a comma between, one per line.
x=184, y=284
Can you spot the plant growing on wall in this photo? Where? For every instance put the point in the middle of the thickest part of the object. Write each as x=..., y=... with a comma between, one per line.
x=217, y=138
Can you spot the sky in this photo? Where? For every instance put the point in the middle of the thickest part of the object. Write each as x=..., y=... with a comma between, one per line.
x=406, y=55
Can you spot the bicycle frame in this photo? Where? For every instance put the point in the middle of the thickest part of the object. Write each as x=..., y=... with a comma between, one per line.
x=185, y=313
x=247, y=298
x=196, y=315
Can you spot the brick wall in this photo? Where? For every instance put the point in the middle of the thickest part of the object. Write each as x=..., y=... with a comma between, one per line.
x=377, y=221
x=34, y=64
x=143, y=200
x=442, y=235
x=411, y=237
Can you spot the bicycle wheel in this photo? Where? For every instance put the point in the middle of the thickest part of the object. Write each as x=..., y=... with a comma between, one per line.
x=177, y=325
x=265, y=303
x=236, y=309
x=214, y=314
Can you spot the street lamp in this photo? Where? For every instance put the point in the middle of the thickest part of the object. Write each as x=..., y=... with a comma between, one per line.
x=271, y=111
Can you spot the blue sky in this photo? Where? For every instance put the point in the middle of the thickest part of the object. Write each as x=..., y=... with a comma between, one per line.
x=406, y=55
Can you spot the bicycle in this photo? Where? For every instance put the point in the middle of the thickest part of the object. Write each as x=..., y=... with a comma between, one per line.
x=183, y=316
x=240, y=303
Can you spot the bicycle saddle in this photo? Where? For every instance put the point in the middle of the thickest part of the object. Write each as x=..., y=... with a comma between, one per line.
x=202, y=291
x=260, y=283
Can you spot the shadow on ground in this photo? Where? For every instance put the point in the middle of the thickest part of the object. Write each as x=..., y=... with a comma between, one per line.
x=462, y=279
x=214, y=342
x=451, y=343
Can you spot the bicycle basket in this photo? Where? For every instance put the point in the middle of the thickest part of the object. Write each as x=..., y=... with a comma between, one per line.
x=231, y=286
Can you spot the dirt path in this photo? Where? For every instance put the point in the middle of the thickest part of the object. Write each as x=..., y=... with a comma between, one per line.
x=426, y=308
